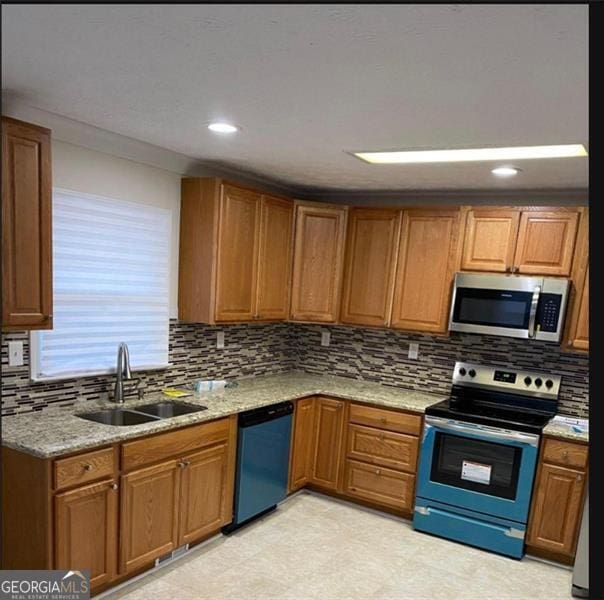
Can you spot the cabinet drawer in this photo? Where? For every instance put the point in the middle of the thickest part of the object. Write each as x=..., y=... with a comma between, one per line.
x=566, y=454
x=379, y=485
x=385, y=419
x=80, y=469
x=173, y=443
x=395, y=450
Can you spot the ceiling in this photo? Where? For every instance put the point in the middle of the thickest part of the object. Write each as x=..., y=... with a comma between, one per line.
x=310, y=83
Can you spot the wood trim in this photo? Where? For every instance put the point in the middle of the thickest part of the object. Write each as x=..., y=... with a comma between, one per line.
x=177, y=442
x=27, y=513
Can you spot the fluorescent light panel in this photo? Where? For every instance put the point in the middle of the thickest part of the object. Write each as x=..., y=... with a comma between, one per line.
x=473, y=154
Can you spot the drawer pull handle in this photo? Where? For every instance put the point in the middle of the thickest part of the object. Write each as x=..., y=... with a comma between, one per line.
x=88, y=467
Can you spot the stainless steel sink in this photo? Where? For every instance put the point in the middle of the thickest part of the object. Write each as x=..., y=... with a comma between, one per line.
x=118, y=416
x=165, y=410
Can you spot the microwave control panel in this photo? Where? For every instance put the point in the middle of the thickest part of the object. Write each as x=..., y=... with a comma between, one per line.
x=548, y=312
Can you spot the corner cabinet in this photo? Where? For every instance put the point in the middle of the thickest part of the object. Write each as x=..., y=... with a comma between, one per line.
x=318, y=262
x=235, y=253
x=26, y=226
x=427, y=256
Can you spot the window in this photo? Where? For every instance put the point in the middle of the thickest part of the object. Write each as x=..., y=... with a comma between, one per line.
x=111, y=284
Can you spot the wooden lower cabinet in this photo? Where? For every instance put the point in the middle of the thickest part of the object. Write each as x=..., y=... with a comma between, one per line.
x=379, y=485
x=149, y=515
x=86, y=521
x=204, y=503
x=327, y=446
x=557, y=508
x=301, y=444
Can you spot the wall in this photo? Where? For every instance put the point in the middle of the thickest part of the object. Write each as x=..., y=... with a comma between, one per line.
x=257, y=349
x=378, y=355
x=381, y=355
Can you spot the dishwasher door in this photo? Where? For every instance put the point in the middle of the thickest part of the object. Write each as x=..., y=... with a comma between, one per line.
x=262, y=467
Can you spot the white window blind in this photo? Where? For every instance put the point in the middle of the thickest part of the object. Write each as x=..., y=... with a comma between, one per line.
x=111, y=284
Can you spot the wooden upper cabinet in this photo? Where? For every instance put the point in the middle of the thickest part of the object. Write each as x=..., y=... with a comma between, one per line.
x=86, y=522
x=26, y=226
x=327, y=446
x=425, y=269
x=235, y=253
x=274, y=264
x=490, y=240
x=546, y=242
x=557, y=508
x=369, y=267
x=318, y=258
x=238, y=243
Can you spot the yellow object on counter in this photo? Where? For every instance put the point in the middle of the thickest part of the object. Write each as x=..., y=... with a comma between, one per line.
x=176, y=392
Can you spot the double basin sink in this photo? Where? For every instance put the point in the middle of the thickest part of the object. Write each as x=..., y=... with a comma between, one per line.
x=141, y=414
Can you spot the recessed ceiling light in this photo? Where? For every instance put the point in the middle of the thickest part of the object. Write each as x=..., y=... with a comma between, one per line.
x=505, y=171
x=472, y=154
x=222, y=127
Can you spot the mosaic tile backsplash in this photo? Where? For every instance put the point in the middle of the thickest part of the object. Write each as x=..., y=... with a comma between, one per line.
x=379, y=355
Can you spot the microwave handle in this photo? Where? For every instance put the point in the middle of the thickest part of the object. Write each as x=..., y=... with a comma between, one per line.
x=533, y=313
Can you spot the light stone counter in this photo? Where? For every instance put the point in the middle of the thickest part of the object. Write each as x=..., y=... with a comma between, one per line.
x=565, y=432
x=57, y=431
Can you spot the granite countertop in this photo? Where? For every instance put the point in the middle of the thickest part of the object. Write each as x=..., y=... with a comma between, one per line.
x=563, y=431
x=57, y=431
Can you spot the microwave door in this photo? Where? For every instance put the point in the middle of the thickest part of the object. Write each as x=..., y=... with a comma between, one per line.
x=509, y=313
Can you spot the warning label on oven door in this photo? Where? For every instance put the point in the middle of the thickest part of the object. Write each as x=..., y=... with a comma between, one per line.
x=478, y=472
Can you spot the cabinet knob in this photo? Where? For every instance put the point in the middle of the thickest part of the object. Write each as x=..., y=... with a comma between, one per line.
x=88, y=467
x=383, y=419
x=579, y=477
x=114, y=486
x=378, y=472
x=182, y=464
x=565, y=454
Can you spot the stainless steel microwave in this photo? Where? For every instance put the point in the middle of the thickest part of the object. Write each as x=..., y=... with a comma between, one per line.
x=509, y=305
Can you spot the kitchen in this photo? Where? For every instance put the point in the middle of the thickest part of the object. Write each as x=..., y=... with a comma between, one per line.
x=263, y=344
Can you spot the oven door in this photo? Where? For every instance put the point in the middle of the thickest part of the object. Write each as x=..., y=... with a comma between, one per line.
x=480, y=468
x=495, y=304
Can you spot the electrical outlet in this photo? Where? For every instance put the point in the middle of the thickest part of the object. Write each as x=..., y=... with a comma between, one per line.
x=15, y=354
x=220, y=340
x=413, y=350
x=325, y=338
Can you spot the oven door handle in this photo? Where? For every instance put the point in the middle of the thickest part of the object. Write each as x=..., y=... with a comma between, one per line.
x=533, y=312
x=499, y=434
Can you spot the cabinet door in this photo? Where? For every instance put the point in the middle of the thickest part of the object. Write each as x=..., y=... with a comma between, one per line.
x=26, y=226
x=204, y=505
x=556, y=509
x=237, y=263
x=86, y=531
x=149, y=514
x=274, y=262
x=580, y=330
x=329, y=430
x=546, y=242
x=425, y=269
x=490, y=240
x=318, y=256
x=369, y=269
x=379, y=485
x=302, y=444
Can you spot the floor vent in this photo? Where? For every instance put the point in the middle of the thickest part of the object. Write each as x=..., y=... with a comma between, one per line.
x=170, y=556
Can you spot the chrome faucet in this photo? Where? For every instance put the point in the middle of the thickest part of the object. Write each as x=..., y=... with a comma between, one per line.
x=122, y=372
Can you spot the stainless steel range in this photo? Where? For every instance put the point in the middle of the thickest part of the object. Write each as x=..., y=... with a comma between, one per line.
x=478, y=456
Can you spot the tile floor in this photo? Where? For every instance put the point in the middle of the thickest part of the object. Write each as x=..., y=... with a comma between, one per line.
x=317, y=547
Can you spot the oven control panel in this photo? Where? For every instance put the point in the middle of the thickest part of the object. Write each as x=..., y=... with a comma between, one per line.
x=527, y=383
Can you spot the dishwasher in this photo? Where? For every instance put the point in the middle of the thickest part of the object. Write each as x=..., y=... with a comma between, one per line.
x=263, y=442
